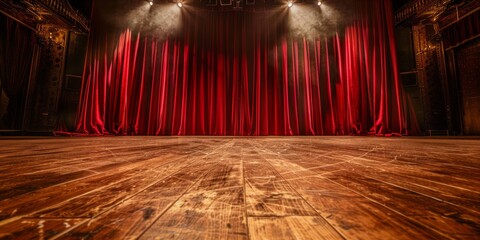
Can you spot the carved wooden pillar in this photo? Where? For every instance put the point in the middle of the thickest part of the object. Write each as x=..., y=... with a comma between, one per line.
x=46, y=86
x=430, y=75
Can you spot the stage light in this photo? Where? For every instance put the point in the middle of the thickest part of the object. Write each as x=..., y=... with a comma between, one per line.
x=151, y=2
x=290, y=4
x=319, y=3
x=179, y=4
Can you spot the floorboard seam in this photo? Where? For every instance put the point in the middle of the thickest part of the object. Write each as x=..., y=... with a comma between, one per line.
x=183, y=193
x=110, y=208
x=411, y=220
x=245, y=208
x=5, y=221
x=170, y=206
x=294, y=190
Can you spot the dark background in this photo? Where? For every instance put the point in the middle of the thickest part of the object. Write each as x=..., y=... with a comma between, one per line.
x=85, y=6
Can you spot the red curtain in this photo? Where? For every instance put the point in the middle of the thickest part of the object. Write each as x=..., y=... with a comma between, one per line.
x=241, y=73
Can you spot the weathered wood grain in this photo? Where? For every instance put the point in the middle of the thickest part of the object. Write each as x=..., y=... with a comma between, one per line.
x=131, y=218
x=268, y=194
x=47, y=197
x=212, y=208
x=293, y=227
x=239, y=188
x=429, y=212
x=31, y=228
x=356, y=217
x=351, y=213
x=273, y=202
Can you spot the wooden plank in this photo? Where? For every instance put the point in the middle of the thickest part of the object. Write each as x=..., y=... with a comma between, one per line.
x=444, y=218
x=31, y=228
x=276, y=202
x=102, y=199
x=96, y=202
x=446, y=191
x=21, y=181
x=213, y=208
x=22, y=186
x=429, y=168
x=132, y=217
x=268, y=194
x=127, y=178
x=284, y=213
x=416, y=178
x=437, y=152
x=48, y=197
x=356, y=217
x=214, y=213
x=223, y=187
x=351, y=214
x=291, y=227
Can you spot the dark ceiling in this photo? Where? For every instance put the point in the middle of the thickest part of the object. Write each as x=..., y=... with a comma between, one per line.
x=85, y=6
x=398, y=3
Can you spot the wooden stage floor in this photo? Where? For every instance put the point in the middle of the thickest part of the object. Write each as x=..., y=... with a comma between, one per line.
x=239, y=188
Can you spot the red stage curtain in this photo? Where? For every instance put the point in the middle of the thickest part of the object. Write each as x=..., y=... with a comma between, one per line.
x=236, y=73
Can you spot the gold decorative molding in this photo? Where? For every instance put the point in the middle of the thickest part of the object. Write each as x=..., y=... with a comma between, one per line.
x=441, y=12
x=45, y=12
x=51, y=35
x=415, y=9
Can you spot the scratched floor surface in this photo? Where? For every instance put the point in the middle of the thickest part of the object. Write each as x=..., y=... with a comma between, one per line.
x=239, y=188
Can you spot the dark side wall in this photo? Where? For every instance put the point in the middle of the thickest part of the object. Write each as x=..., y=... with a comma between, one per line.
x=461, y=43
x=464, y=64
x=48, y=99
x=439, y=64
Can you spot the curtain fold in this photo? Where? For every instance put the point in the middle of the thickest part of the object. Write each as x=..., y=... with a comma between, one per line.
x=232, y=73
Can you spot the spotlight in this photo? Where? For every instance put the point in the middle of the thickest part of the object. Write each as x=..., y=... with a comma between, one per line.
x=179, y=4
x=290, y=4
x=319, y=3
x=151, y=2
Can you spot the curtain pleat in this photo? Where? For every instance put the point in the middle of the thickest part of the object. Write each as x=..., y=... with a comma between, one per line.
x=233, y=74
